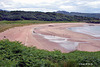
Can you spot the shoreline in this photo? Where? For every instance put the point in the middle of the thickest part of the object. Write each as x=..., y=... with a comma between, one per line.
x=26, y=35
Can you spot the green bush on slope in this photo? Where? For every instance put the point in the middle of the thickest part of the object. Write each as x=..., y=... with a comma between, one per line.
x=15, y=54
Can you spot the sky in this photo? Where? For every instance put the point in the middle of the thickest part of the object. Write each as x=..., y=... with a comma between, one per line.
x=83, y=6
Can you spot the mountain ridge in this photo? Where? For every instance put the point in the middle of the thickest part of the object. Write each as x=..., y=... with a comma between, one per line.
x=95, y=15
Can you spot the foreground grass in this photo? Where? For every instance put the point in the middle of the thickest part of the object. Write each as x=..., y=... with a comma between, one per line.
x=14, y=54
x=4, y=25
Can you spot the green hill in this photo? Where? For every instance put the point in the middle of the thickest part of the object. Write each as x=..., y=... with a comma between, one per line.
x=43, y=16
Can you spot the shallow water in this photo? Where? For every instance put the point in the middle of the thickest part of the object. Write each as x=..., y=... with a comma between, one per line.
x=63, y=42
x=90, y=30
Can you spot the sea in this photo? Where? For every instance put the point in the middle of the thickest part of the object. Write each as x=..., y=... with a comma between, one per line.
x=90, y=30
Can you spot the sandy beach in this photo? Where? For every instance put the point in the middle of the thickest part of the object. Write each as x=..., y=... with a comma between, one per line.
x=30, y=36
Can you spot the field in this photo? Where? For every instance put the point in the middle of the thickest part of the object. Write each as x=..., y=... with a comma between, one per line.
x=15, y=54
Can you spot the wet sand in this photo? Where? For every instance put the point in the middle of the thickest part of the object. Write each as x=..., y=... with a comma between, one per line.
x=29, y=36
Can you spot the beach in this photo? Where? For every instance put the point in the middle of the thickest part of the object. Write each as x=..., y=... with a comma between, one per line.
x=34, y=36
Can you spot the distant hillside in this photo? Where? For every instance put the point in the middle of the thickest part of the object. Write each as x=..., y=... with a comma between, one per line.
x=95, y=15
x=43, y=16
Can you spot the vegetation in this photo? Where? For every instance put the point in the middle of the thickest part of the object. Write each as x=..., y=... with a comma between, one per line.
x=95, y=15
x=4, y=25
x=42, y=16
x=14, y=54
x=94, y=21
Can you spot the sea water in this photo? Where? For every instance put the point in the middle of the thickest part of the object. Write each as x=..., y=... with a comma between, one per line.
x=90, y=30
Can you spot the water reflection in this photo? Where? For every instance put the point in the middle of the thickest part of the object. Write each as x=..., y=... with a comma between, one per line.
x=63, y=42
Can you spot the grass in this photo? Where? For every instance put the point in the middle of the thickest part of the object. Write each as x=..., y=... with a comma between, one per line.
x=4, y=25
x=14, y=54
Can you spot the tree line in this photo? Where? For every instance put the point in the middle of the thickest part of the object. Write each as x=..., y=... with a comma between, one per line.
x=94, y=21
x=43, y=16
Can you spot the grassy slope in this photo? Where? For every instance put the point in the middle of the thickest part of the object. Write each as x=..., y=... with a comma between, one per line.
x=4, y=25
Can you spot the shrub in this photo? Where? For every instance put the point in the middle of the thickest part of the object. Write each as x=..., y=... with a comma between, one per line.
x=15, y=54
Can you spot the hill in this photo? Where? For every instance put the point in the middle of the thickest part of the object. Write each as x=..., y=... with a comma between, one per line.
x=43, y=16
x=95, y=15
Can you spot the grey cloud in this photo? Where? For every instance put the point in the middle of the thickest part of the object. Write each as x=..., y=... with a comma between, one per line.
x=78, y=5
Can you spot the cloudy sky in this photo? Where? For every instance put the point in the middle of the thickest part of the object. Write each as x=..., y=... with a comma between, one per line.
x=86, y=6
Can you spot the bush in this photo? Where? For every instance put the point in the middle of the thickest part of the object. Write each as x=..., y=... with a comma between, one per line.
x=15, y=54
